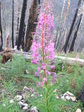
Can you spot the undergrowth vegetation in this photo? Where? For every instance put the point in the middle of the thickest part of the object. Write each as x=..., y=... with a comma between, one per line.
x=15, y=75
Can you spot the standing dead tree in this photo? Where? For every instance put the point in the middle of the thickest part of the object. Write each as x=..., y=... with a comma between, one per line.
x=22, y=25
x=31, y=27
x=67, y=9
x=12, y=23
x=75, y=34
x=1, y=39
x=72, y=26
x=18, y=21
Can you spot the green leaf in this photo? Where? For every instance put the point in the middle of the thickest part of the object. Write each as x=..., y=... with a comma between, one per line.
x=31, y=77
x=40, y=90
x=41, y=109
x=51, y=89
x=60, y=102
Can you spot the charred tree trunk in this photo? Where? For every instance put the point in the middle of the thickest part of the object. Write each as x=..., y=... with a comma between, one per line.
x=1, y=39
x=12, y=23
x=22, y=23
x=18, y=21
x=75, y=35
x=23, y=36
x=31, y=27
x=72, y=26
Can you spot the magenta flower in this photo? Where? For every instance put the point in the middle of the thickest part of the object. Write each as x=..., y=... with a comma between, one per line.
x=44, y=80
x=34, y=61
x=54, y=75
x=52, y=66
x=49, y=73
x=39, y=84
x=53, y=81
x=39, y=69
x=43, y=65
x=36, y=74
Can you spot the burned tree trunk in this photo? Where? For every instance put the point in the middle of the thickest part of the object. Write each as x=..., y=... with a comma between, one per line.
x=72, y=26
x=75, y=35
x=31, y=27
x=22, y=25
x=12, y=23
x=18, y=21
x=1, y=39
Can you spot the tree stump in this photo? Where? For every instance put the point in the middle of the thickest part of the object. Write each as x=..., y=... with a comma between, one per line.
x=6, y=55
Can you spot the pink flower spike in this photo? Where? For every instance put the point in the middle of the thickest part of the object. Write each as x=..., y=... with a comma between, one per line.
x=53, y=81
x=39, y=69
x=52, y=66
x=42, y=83
x=54, y=75
x=39, y=83
x=44, y=80
x=43, y=65
x=36, y=74
x=34, y=62
x=49, y=73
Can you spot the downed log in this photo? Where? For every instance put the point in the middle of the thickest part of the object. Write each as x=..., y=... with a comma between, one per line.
x=71, y=60
x=7, y=53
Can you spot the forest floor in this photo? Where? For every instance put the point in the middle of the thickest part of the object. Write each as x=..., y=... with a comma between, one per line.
x=14, y=80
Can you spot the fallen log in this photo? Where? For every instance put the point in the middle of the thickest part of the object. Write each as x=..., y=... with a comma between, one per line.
x=71, y=60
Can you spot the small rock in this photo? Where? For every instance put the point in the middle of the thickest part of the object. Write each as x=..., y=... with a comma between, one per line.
x=67, y=97
x=22, y=104
x=25, y=95
x=78, y=110
x=11, y=101
x=32, y=95
x=41, y=95
x=18, y=97
x=69, y=93
x=27, y=71
x=22, y=101
x=25, y=88
x=73, y=99
x=25, y=108
x=63, y=98
x=4, y=105
x=57, y=97
x=34, y=109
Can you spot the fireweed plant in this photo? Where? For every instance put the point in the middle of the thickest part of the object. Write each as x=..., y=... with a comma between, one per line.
x=43, y=55
x=43, y=46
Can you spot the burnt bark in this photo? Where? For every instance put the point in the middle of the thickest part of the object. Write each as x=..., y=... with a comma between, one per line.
x=72, y=26
x=1, y=39
x=12, y=23
x=22, y=25
x=18, y=21
x=75, y=35
x=31, y=27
